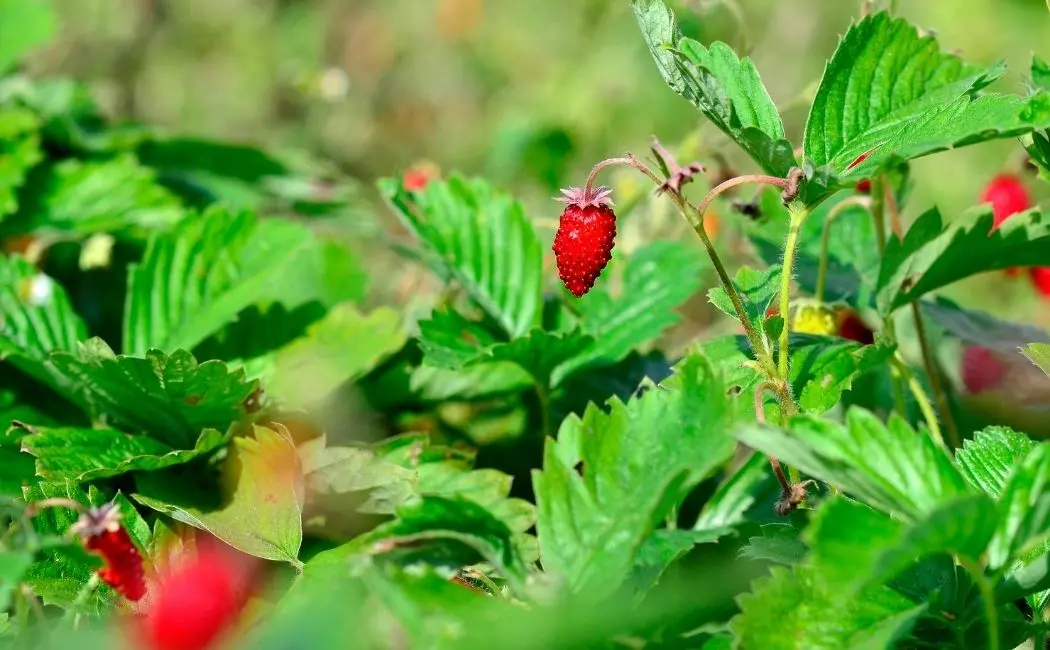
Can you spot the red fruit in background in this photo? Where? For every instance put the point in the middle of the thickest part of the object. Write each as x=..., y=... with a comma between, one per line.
x=101, y=533
x=851, y=327
x=864, y=186
x=418, y=176
x=584, y=241
x=1040, y=276
x=198, y=600
x=981, y=369
x=1007, y=195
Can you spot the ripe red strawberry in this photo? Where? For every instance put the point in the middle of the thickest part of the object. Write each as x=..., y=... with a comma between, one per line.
x=584, y=241
x=981, y=369
x=101, y=533
x=198, y=601
x=1007, y=195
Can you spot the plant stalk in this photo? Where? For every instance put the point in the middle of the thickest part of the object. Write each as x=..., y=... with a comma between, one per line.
x=798, y=214
x=984, y=585
x=935, y=378
x=920, y=398
x=878, y=215
x=825, y=240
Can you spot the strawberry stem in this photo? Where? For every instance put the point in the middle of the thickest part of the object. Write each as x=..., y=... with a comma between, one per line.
x=935, y=377
x=920, y=398
x=627, y=161
x=798, y=213
x=878, y=215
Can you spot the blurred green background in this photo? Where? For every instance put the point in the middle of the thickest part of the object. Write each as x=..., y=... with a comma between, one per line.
x=529, y=93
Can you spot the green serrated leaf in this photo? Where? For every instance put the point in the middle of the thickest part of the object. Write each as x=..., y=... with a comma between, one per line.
x=636, y=461
x=483, y=240
x=340, y=347
x=888, y=94
x=260, y=509
x=656, y=280
x=779, y=543
x=793, y=609
x=81, y=198
x=83, y=455
x=933, y=254
x=36, y=318
x=1024, y=521
x=196, y=278
x=854, y=547
x=987, y=459
x=756, y=289
x=726, y=89
x=173, y=398
x=891, y=468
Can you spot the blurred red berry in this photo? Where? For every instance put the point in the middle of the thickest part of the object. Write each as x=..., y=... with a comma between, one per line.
x=1040, y=276
x=1007, y=195
x=851, y=327
x=198, y=600
x=101, y=533
x=864, y=187
x=981, y=369
x=418, y=176
x=585, y=238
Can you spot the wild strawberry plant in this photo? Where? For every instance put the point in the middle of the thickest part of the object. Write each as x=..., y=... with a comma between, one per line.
x=214, y=439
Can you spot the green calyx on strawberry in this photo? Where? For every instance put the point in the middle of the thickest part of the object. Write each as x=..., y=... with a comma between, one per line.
x=585, y=238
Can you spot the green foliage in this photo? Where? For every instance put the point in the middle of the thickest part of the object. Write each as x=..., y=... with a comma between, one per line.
x=888, y=94
x=482, y=240
x=726, y=89
x=263, y=514
x=201, y=334
x=933, y=255
x=636, y=461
